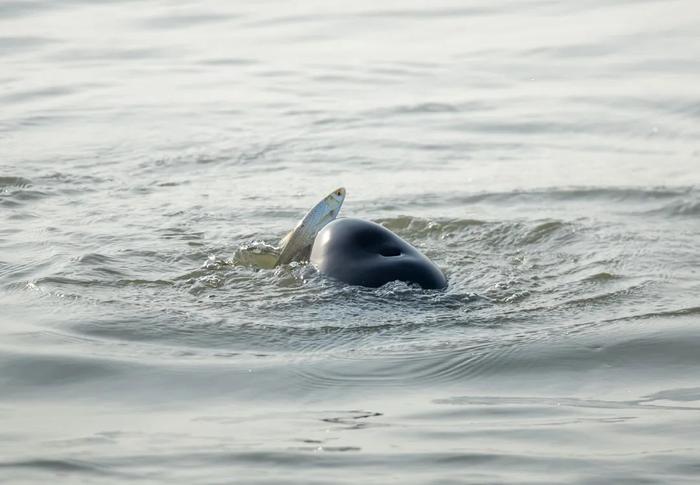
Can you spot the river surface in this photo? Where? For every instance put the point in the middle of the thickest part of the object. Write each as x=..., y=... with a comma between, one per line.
x=545, y=154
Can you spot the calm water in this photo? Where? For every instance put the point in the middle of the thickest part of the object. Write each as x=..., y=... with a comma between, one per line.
x=545, y=154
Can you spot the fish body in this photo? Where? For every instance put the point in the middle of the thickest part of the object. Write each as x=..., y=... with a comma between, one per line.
x=297, y=244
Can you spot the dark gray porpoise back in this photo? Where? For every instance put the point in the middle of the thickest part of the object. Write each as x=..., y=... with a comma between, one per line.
x=360, y=252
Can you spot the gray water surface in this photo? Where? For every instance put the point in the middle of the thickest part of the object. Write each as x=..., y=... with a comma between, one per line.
x=544, y=154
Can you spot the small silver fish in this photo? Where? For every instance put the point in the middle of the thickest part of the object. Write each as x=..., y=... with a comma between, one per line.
x=297, y=244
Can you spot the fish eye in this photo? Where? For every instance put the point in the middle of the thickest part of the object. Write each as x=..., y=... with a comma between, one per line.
x=338, y=192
